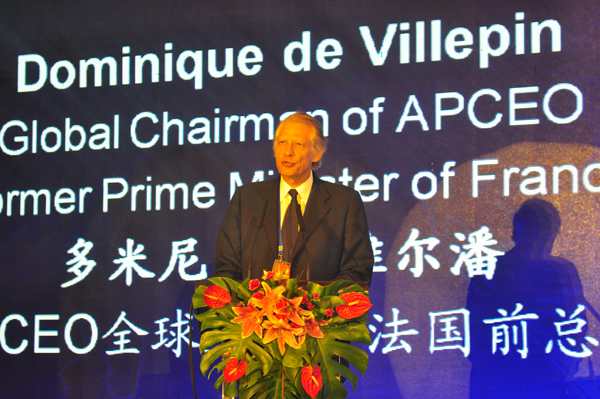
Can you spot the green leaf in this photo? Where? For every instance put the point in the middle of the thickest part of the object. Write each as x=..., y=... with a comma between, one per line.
x=204, y=315
x=331, y=302
x=334, y=289
x=198, y=298
x=219, y=281
x=220, y=381
x=253, y=373
x=233, y=285
x=291, y=372
x=269, y=387
x=354, y=332
x=243, y=292
x=325, y=348
x=292, y=287
x=211, y=356
x=231, y=390
x=352, y=288
x=295, y=358
x=217, y=330
x=313, y=288
x=219, y=367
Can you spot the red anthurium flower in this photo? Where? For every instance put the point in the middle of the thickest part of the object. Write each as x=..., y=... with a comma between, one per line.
x=311, y=380
x=356, y=305
x=254, y=284
x=216, y=297
x=234, y=369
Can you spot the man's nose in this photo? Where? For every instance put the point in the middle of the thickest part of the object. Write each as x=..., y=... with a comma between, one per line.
x=289, y=150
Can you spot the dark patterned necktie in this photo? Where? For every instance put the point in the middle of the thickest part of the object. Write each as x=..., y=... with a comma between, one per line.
x=289, y=230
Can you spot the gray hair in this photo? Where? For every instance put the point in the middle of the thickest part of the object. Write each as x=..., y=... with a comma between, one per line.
x=317, y=139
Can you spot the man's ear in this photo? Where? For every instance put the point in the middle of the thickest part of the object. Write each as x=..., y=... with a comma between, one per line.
x=317, y=156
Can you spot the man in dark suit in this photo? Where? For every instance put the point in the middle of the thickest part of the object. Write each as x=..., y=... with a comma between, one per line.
x=337, y=235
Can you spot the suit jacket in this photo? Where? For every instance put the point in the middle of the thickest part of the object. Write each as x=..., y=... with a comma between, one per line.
x=337, y=234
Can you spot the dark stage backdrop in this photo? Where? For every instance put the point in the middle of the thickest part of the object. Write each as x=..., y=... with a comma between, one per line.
x=126, y=127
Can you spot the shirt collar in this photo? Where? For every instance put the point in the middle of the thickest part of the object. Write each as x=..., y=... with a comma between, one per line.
x=303, y=189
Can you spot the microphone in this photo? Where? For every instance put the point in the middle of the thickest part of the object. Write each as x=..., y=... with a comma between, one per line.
x=302, y=229
x=259, y=225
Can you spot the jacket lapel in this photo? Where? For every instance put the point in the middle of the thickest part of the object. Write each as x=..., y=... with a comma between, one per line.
x=316, y=210
x=271, y=195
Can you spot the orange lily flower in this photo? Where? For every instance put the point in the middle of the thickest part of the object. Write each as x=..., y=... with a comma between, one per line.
x=251, y=319
x=290, y=308
x=280, y=330
x=312, y=328
x=269, y=303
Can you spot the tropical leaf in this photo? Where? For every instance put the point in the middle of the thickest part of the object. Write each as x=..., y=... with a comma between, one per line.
x=233, y=285
x=339, y=286
x=222, y=336
x=270, y=386
x=231, y=390
x=198, y=297
x=220, y=281
x=322, y=351
x=242, y=291
x=292, y=288
x=330, y=302
x=295, y=358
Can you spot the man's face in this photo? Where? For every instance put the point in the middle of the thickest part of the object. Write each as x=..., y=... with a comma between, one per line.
x=294, y=153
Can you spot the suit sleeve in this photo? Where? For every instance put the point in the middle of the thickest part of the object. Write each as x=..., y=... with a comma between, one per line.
x=228, y=260
x=357, y=253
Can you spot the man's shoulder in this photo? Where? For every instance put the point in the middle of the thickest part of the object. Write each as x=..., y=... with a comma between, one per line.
x=336, y=189
x=257, y=187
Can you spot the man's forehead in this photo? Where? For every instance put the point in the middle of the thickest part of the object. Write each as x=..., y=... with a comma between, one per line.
x=298, y=129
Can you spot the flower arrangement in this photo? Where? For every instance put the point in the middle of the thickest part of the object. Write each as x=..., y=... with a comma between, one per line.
x=273, y=339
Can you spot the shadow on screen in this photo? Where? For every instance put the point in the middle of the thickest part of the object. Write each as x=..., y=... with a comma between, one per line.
x=528, y=323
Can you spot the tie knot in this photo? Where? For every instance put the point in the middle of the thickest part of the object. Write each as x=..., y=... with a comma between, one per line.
x=293, y=193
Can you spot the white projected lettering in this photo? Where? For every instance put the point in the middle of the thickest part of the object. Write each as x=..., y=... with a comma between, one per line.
x=17, y=138
x=458, y=41
x=449, y=330
x=533, y=180
x=115, y=188
x=82, y=262
x=72, y=138
x=189, y=65
x=20, y=200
